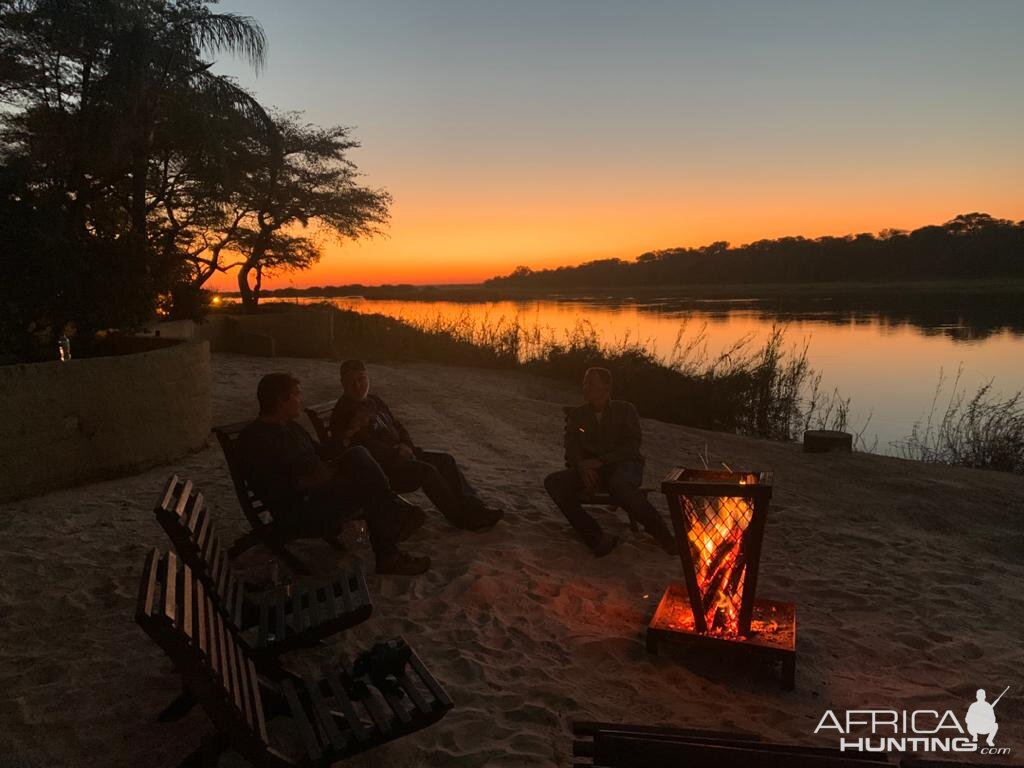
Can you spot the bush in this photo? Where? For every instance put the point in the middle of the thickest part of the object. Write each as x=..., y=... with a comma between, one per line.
x=985, y=431
x=768, y=392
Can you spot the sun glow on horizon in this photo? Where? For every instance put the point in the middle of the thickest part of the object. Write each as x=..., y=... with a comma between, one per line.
x=548, y=134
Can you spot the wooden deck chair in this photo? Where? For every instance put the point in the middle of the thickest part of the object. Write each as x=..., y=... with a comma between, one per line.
x=265, y=530
x=601, y=498
x=276, y=619
x=610, y=745
x=277, y=719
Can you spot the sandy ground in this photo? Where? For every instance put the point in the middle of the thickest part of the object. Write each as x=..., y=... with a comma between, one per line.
x=908, y=581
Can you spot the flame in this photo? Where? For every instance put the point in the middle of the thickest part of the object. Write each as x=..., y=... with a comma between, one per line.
x=716, y=538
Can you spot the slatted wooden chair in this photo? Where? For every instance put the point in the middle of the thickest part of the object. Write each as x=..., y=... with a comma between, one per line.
x=601, y=497
x=265, y=530
x=276, y=619
x=611, y=745
x=272, y=717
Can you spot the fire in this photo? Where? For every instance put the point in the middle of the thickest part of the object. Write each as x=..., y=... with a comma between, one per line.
x=716, y=541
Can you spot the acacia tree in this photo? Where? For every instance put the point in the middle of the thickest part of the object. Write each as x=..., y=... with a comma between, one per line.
x=299, y=190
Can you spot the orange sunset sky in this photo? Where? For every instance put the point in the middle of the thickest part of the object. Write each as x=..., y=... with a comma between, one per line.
x=544, y=134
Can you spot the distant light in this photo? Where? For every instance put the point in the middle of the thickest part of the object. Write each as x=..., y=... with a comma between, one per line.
x=215, y=300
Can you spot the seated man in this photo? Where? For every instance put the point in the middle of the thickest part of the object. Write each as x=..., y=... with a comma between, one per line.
x=602, y=451
x=363, y=419
x=314, y=497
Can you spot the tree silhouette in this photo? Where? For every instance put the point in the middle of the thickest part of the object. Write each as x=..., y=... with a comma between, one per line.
x=971, y=245
x=112, y=119
x=301, y=188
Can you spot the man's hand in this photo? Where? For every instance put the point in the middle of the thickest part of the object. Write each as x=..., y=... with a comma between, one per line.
x=590, y=478
x=359, y=420
x=404, y=451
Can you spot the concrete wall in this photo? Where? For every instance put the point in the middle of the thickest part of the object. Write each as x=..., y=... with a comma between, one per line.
x=291, y=332
x=86, y=419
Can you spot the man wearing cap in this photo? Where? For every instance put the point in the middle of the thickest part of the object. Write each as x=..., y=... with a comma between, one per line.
x=360, y=418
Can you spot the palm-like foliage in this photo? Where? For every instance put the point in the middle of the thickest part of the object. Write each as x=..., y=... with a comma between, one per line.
x=111, y=117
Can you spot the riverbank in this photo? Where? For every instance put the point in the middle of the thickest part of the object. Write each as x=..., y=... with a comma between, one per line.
x=906, y=577
x=733, y=291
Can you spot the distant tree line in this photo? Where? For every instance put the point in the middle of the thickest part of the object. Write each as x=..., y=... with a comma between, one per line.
x=972, y=245
x=131, y=173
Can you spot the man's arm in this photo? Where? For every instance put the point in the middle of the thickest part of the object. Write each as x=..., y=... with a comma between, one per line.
x=340, y=430
x=573, y=440
x=629, y=439
x=403, y=433
x=305, y=466
x=341, y=420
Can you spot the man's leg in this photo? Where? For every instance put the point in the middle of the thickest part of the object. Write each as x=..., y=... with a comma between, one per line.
x=564, y=489
x=410, y=474
x=451, y=472
x=624, y=480
x=361, y=477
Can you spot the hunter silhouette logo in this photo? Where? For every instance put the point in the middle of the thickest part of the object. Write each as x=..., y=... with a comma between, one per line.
x=981, y=717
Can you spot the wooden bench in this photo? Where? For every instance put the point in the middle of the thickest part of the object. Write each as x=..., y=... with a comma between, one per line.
x=275, y=619
x=274, y=718
x=265, y=530
x=611, y=745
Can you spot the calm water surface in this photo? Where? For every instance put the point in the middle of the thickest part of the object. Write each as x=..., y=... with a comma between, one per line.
x=884, y=354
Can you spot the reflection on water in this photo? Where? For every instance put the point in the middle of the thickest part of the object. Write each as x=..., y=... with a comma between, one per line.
x=885, y=352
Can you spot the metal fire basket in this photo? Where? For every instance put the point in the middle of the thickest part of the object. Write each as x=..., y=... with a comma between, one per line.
x=719, y=517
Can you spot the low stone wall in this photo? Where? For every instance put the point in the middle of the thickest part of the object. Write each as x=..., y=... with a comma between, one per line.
x=291, y=332
x=91, y=418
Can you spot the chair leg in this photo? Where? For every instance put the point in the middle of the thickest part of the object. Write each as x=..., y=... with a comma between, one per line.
x=207, y=755
x=243, y=543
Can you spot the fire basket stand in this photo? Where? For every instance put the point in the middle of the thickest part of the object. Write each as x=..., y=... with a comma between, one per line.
x=719, y=519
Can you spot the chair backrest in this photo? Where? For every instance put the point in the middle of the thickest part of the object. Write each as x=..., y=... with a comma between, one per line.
x=175, y=610
x=255, y=510
x=184, y=516
x=320, y=417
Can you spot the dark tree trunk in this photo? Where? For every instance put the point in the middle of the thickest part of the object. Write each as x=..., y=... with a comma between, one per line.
x=249, y=299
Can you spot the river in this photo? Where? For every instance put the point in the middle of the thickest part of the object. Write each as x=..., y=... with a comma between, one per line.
x=885, y=353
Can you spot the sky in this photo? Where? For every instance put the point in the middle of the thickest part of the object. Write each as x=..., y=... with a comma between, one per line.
x=552, y=132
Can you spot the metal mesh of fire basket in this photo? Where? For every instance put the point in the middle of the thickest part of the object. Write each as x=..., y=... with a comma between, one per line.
x=718, y=518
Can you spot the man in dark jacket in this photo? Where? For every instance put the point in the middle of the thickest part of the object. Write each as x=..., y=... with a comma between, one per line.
x=312, y=496
x=360, y=418
x=602, y=452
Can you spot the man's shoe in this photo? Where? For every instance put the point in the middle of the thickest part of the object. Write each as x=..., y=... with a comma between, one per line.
x=481, y=518
x=412, y=517
x=402, y=564
x=476, y=517
x=605, y=545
